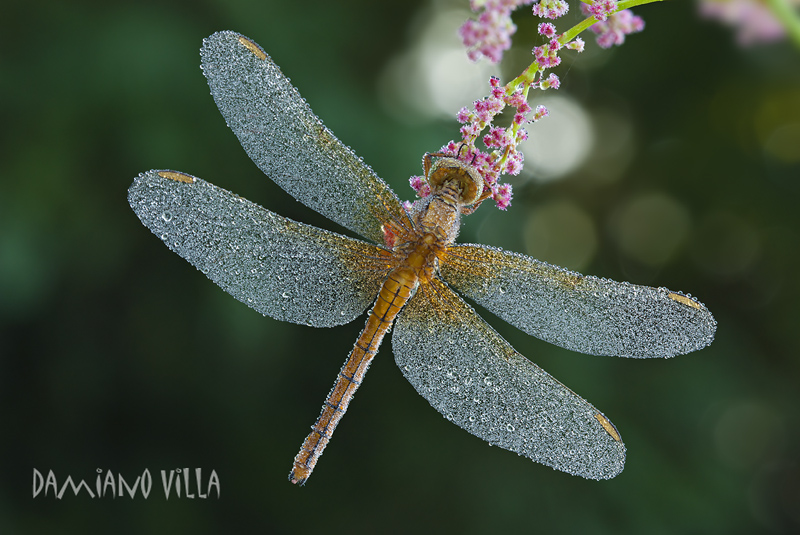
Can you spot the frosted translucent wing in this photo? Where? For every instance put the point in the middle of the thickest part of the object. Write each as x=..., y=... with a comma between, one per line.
x=289, y=143
x=281, y=268
x=474, y=377
x=586, y=314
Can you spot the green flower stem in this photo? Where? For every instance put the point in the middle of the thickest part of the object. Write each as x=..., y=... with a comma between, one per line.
x=529, y=74
x=573, y=32
x=514, y=127
x=788, y=16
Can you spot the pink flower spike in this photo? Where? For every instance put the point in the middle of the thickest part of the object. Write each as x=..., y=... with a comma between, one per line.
x=451, y=148
x=551, y=9
x=546, y=57
x=487, y=108
x=419, y=185
x=552, y=82
x=540, y=113
x=502, y=196
x=470, y=131
x=514, y=164
x=502, y=156
x=481, y=161
x=495, y=137
x=548, y=29
x=576, y=44
x=490, y=35
x=613, y=31
x=601, y=9
x=516, y=99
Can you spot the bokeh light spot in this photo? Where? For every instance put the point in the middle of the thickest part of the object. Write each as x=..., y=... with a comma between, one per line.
x=561, y=233
x=559, y=143
x=650, y=228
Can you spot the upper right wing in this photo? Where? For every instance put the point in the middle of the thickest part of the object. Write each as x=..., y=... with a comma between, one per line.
x=586, y=314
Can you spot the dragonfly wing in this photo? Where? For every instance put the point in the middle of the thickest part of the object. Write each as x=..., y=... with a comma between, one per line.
x=289, y=143
x=586, y=314
x=476, y=379
x=281, y=268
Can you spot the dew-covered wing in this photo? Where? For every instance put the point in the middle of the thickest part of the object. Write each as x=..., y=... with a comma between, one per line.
x=586, y=314
x=289, y=143
x=474, y=377
x=281, y=268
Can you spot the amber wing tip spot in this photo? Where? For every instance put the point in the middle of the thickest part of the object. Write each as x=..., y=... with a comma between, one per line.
x=682, y=299
x=253, y=47
x=177, y=176
x=608, y=426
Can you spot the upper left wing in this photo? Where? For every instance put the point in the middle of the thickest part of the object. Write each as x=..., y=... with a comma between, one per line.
x=289, y=143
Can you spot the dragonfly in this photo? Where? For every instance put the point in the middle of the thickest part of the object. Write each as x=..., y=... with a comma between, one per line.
x=412, y=273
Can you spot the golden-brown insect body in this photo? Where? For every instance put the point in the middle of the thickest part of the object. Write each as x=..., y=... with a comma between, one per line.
x=416, y=256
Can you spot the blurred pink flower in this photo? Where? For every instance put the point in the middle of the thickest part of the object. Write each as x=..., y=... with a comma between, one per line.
x=614, y=28
x=752, y=18
x=490, y=35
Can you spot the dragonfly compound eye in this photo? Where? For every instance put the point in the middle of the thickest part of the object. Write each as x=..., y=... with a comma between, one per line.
x=470, y=182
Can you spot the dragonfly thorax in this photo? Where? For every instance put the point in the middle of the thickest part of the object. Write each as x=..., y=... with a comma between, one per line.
x=438, y=215
x=422, y=256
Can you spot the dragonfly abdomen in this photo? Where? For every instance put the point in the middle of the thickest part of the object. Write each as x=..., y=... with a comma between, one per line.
x=395, y=292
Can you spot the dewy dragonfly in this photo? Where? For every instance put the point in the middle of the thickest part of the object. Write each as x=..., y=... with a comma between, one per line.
x=452, y=357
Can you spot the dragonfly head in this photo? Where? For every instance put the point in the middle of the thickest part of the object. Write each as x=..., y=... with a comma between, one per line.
x=468, y=181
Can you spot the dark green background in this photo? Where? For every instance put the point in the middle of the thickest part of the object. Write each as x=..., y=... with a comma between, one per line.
x=116, y=354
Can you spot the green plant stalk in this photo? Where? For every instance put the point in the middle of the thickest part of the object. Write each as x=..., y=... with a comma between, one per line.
x=787, y=16
x=529, y=74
